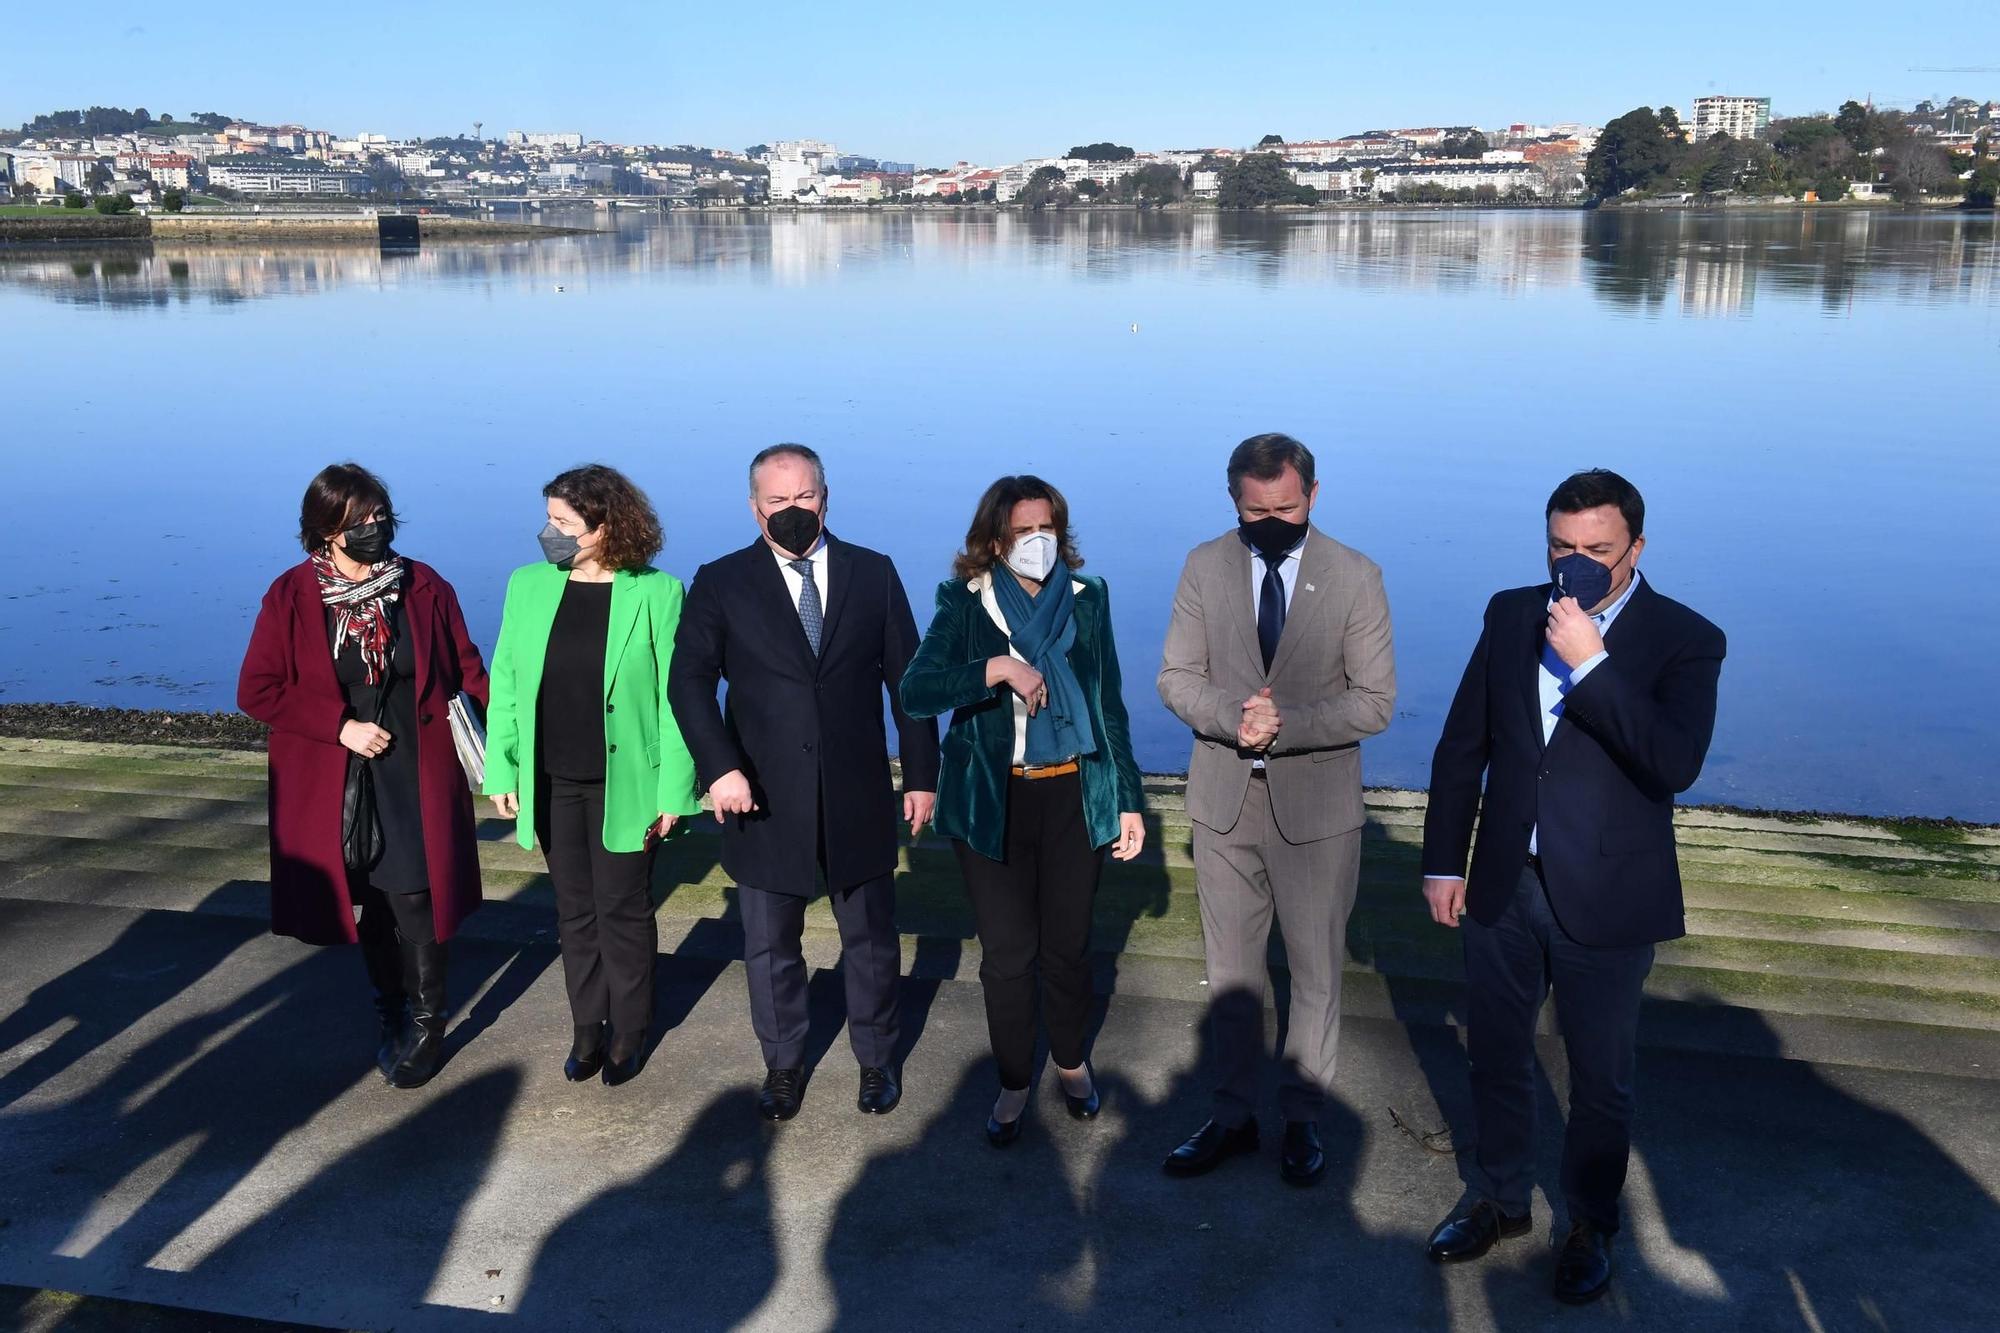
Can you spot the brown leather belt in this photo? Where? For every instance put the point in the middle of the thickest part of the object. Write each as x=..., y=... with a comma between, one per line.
x=1036, y=772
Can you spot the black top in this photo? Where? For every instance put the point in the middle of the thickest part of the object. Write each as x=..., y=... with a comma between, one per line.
x=570, y=710
x=398, y=799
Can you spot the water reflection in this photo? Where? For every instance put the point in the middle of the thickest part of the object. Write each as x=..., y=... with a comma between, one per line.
x=1692, y=263
x=1752, y=373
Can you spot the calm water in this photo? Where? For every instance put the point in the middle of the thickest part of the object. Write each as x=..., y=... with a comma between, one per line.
x=1806, y=401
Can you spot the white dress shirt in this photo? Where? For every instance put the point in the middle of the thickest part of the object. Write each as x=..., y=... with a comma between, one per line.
x=793, y=581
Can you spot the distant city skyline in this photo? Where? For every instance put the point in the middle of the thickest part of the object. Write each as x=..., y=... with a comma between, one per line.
x=906, y=81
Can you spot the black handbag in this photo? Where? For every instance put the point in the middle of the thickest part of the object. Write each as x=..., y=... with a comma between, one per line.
x=360, y=824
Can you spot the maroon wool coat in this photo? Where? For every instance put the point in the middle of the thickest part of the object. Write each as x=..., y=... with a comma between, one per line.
x=288, y=684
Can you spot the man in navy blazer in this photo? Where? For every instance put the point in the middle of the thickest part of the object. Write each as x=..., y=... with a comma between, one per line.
x=1587, y=706
x=809, y=632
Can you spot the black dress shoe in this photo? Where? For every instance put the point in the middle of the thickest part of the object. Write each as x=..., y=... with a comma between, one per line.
x=879, y=1091
x=1209, y=1145
x=1471, y=1234
x=1002, y=1133
x=783, y=1090
x=586, y=1053
x=1302, y=1161
x=621, y=1063
x=1583, y=1269
x=1084, y=1108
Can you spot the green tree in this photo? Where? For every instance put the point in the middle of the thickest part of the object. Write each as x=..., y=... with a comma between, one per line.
x=1152, y=185
x=1856, y=125
x=75, y=200
x=1103, y=151
x=1670, y=123
x=109, y=204
x=1984, y=187
x=1632, y=153
x=1047, y=186
x=173, y=201
x=1270, y=140
x=1088, y=189
x=1257, y=180
x=1470, y=145
x=25, y=190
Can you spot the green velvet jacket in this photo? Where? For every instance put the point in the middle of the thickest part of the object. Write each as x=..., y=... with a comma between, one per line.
x=948, y=674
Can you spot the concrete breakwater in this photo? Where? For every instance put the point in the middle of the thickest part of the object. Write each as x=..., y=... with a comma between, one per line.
x=1872, y=943
x=225, y=228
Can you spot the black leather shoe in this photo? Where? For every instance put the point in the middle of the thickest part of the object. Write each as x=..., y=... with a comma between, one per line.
x=1083, y=1108
x=784, y=1090
x=879, y=1091
x=1303, y=1161
x=622, y=1061
x=1468, y=1235
x=423, y=1054
x=1583, y=1269
x=586, y=1053
x=394, y=1011
x=1209, y=1145
x=1002, y=1133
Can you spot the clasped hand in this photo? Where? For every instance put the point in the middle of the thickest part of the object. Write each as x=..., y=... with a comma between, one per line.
x=1260, y=723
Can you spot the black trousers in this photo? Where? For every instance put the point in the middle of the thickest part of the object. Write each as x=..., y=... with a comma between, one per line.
x=384, y=915
x=1033, y=913
x=871, y=962
x=1509, y=967
x=604, y=910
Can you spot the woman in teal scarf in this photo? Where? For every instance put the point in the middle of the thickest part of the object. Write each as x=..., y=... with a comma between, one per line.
x=1038, y=779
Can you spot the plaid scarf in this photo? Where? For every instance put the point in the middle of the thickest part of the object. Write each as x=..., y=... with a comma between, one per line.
x=361, y=610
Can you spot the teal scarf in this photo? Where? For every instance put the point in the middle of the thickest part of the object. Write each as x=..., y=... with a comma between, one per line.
x=1042, y=628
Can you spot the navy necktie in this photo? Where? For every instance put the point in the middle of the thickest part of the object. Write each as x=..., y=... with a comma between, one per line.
x=810, y=618
x=1271, y=610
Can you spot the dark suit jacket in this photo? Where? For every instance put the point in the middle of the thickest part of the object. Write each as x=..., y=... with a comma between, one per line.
x=806, y=731
x=1633, y=734
x=948, y=674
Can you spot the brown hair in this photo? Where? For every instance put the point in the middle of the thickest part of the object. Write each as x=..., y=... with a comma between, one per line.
x=1265, y=458
x=339, y=491
x=993, y=524
x=605, y=498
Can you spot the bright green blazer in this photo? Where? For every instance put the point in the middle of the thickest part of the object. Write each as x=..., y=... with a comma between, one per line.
x=948, y=674
x=647, y=769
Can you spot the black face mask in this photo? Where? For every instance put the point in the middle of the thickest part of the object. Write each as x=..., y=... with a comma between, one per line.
x=367, y=543
x=1271, y=535
x=794, y=528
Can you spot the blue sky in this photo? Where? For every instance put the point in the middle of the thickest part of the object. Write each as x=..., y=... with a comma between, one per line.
x=935, y=82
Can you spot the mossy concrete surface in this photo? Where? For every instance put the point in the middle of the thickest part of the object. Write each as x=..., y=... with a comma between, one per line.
x=1829, y=926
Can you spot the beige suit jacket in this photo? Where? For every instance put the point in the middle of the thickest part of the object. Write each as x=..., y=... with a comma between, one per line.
x=1333, y=678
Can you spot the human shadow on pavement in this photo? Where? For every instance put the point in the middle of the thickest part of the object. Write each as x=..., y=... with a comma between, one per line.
x=689, y=1244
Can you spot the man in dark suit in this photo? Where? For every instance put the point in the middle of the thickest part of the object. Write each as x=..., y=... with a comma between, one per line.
x=1587, y=706
x=809, y=631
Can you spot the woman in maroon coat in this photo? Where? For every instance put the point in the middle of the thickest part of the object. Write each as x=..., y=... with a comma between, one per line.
x=355, y=658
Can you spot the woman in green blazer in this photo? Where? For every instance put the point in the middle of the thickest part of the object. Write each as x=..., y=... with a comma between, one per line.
x=1037, y=779
x=582, y=750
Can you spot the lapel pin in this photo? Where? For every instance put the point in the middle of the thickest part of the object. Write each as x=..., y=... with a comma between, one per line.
x=1310, y=588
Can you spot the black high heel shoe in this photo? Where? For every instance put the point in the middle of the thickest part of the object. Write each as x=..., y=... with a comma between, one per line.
x=1003, y=1133
x=1083, y=1108
x=624, y=1068
x=586, y=1053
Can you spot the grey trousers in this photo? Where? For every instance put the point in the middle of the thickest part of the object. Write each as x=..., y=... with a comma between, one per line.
x=1242, y=878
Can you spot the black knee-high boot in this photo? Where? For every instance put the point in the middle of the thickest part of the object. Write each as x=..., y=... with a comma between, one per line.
x=423, y=1054
x=384, y=960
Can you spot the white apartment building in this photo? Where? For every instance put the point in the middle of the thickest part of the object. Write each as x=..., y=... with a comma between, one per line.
x=1737, y=117
x=278, y=175
x=1392, y=179
x=789, y=176
x=547, y=142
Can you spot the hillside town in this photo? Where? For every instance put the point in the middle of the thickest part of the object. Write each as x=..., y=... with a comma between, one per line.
x=110, y=155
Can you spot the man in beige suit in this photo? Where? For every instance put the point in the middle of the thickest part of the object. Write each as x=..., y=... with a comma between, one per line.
x=1279, y=658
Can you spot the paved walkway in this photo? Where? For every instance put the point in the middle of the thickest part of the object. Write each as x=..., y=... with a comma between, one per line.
x=189, y=1117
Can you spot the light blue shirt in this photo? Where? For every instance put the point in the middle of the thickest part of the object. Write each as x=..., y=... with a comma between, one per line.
x=1556, y=680
x=1554, y=686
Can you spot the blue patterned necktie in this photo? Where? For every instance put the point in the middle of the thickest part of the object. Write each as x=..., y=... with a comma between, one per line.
x=1271, y=610
x=811, y=618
